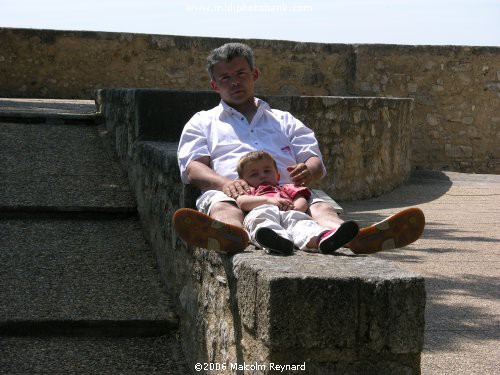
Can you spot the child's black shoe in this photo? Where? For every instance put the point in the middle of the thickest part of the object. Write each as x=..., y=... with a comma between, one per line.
x=270, y=241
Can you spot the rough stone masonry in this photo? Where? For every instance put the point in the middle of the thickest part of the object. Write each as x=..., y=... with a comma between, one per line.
x=456, y=89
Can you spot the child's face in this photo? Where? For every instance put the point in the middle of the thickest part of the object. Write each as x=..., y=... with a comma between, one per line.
x=261, y=172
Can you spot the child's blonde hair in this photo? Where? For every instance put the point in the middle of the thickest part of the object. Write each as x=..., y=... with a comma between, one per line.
x=254, y=156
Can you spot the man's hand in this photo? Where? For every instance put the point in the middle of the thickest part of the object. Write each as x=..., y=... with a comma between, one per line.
x=236, y=188
x=300, y=174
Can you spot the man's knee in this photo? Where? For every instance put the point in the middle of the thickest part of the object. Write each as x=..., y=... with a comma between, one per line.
x=227, y=212
x=322, y=208
x=325, y=214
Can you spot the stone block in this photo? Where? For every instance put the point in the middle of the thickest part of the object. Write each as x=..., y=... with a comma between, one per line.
x=313, y=302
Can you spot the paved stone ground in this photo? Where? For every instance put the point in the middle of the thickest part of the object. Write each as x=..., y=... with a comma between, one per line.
x=458, y=255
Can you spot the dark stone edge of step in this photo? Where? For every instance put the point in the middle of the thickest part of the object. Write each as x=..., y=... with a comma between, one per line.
x=51, y=118
x=89, y=328
x=76, y=212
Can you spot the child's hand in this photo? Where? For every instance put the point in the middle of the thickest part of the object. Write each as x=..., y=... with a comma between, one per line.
x=282, y=203
x=301, y=204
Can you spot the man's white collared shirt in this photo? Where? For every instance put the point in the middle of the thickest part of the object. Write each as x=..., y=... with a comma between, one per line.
x=225, y=135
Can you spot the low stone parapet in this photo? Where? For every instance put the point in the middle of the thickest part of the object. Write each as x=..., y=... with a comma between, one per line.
x=365, y=142
x=336, y=314
x=253, y=312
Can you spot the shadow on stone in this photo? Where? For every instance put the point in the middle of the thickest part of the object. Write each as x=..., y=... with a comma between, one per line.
x=448, y=323
x=422, y=187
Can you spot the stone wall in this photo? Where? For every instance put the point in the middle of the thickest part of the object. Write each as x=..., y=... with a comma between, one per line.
x=456, y=89
x=66, y=64
x=331, y=314
x=365, y=142
x=457, y=100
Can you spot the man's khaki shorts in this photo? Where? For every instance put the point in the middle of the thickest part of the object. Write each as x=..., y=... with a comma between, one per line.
x=205, y=201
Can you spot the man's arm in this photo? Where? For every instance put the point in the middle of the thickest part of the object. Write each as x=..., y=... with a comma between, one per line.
x=305, y=147
x=205, y=178
x=315, y=167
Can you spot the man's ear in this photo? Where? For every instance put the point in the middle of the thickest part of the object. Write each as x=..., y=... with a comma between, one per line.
x=214, y=86
x=255, y=74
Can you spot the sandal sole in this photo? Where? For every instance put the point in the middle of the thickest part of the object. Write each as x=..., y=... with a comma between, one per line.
x=200, y=230
x=396, y=231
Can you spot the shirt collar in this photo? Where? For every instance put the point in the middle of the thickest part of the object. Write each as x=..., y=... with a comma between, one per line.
x=261, y=105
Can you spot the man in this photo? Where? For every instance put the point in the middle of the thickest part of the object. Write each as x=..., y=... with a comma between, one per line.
x=213, y=141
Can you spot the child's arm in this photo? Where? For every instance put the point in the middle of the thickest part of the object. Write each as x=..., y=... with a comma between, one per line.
x=249, y=202
x=300, y=196
x=300, y=204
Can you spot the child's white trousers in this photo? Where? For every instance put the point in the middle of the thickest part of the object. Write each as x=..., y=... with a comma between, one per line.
x=293, y=225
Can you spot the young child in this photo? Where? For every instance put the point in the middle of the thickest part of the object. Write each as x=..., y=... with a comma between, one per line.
x=277, y=219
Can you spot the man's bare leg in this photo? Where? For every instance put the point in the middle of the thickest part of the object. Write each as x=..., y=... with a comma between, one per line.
x=341, y=232
x=325, y=215
x=227, y=213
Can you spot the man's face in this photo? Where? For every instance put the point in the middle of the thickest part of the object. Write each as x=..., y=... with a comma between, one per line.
x=234, y=81
x=260, y=172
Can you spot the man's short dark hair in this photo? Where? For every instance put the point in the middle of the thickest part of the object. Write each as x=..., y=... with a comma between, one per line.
x=227, y=52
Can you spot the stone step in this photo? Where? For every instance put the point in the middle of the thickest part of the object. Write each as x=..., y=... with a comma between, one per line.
x=59, y=168
x=55, y=111
x=79, y=271
x=92, y=355
x=80, y=291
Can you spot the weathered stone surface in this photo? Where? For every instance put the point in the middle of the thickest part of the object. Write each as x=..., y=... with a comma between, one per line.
x=72, y=64
x=456, y=83
x=456, y=88
x=80, y=289
x=85, y=270
x=59, y=166
x=365, y=141
x=305, y=291
x=91, y=355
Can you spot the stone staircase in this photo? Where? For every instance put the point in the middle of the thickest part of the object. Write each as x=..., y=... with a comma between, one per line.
x=80, y=291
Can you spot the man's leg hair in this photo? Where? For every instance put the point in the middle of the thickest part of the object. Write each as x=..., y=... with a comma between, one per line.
x=325, y=215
